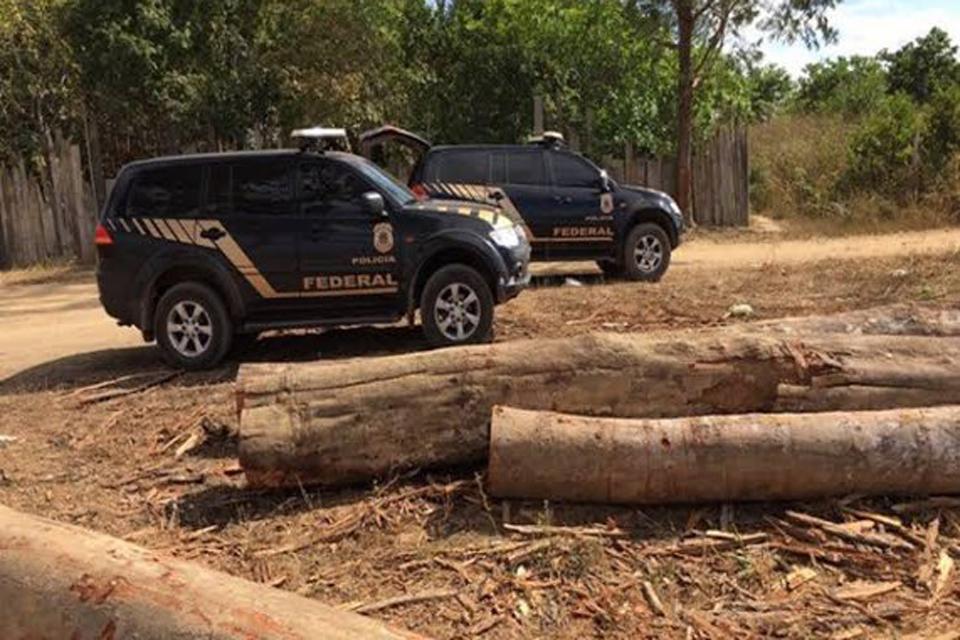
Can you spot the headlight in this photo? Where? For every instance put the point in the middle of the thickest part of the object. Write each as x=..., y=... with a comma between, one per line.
x=506, y=237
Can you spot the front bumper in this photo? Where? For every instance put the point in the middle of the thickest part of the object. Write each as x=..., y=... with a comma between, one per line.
x=518, y=276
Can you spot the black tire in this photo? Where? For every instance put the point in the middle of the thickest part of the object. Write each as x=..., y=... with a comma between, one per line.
x=205, y=326
x=610, y=268
x=451, y=285
x=646, y=253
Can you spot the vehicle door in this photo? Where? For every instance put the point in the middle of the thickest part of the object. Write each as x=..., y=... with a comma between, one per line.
x=583, y=212
x=349, y=257
x=522, y=174
x=459, y=174
x=250, y=216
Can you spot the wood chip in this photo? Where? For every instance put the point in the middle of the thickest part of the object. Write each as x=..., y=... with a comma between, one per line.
x=188, y=445
x=656, y=605
x=548, y=530
x=861, y=590
x=485, y=625
x=833, y=528
x=944, y=571
x=799, y=576
x=396, y=601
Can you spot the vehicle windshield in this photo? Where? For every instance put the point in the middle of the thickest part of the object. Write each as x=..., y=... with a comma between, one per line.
x=395, y=189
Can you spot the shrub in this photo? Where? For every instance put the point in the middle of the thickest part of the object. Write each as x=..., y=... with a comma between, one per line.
x=884, y=154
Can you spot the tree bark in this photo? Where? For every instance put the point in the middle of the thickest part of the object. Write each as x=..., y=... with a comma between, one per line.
x=347, y=421
x=685, y=89
x=61, y=581
x=724, y=458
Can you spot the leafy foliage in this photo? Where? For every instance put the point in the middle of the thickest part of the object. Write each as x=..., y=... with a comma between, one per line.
x=923, y=67
x=851, y=86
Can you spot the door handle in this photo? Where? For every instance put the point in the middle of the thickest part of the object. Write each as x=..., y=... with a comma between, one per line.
x=563, y=199
x=213, y=233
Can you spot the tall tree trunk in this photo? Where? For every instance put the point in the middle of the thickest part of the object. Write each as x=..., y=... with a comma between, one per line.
x=544, y=455
x=685, y=25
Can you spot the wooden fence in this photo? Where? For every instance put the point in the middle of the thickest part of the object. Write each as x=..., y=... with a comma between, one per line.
x=721, y=174
x=49, y=216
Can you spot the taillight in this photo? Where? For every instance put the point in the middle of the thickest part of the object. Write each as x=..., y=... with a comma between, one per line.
x=102, y=237
x=419, y=191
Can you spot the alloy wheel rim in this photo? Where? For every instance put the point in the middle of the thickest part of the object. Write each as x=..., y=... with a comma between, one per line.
x=457, y=311
x=648, y=253
x=189, y=329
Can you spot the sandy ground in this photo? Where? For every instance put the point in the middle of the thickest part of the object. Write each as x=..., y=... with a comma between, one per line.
x=49, y=320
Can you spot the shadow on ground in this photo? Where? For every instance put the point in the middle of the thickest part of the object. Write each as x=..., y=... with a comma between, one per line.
x=94, y=367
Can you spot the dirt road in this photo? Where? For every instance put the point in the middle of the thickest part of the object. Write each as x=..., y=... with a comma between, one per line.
x=61, y=317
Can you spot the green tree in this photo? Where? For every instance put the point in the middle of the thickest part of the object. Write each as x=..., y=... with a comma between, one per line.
x=884, y=153
x=850, y=86
x=770, y=88
x=700, y=30
x=924, y=66
x=38, y=92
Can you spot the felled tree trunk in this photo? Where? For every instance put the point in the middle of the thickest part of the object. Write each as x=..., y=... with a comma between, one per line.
x=724, y=458
x=892, y=320
x=60, y=581
x=338, y=422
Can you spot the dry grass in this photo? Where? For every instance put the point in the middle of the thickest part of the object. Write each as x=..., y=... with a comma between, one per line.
x=797, y=162
x=41, y=273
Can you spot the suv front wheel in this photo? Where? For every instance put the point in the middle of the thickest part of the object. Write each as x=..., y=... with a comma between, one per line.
x=192, y=326
x=457, y=307
x=646, y=253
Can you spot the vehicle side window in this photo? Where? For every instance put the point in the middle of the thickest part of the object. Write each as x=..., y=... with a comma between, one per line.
x=167, y=192
x=328, y=184
x=219, y=190
x=262, y=188
x=470, y=166
x=498, y=167
x=571, y=171
x=526, y=167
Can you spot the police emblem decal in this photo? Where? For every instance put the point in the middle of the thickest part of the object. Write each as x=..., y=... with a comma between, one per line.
x=383, y=237
x=606, y=203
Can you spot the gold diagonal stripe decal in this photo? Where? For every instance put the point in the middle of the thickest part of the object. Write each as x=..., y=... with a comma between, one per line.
x=151, y=228
x=179, y=229
x=136, y=226
x=165, y=230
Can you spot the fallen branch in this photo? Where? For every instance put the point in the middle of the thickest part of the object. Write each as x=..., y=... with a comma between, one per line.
x=396, y=601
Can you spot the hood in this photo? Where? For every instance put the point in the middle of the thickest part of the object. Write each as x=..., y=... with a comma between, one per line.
x=493, y=216
x=646, y=191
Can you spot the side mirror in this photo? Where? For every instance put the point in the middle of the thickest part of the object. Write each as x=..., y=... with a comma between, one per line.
x=373, y=202
x=604, y=183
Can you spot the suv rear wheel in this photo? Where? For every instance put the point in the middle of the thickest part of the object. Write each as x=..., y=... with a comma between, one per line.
x=192, y=326
x=646, y=253
x=457, y=307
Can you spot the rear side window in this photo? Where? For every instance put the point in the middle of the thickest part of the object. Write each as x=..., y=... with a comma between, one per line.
x=167, y=192
x=525, y=167
x=471, y=166
x=571, y=171
x=262, y=188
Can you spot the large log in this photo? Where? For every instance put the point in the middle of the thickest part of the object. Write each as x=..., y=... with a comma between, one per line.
x=345, y=421
x=60, y=581
x=546, y=455
x=891, y=320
